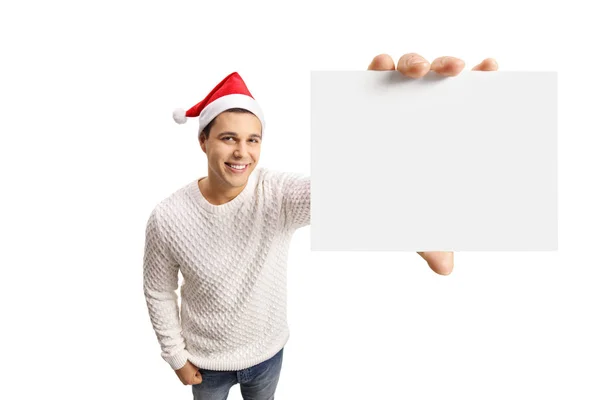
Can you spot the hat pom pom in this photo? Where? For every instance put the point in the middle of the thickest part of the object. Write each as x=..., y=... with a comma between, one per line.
x=179, y=116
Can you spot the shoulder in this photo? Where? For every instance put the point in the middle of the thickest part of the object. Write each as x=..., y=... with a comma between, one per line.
x=174, y=202
x=278, y=178
x=282, y=185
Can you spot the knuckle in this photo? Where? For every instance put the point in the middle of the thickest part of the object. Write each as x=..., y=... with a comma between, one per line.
x=438, y=62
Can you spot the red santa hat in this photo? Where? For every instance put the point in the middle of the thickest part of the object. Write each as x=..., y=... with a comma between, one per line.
x=231, y=92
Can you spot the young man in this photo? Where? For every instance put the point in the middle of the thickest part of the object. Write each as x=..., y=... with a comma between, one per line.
x=229, y=233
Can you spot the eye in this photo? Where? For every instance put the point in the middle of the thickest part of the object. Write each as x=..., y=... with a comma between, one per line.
x=227, y=137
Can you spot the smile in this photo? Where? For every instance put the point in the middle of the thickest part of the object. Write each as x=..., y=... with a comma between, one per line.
x=237, y=168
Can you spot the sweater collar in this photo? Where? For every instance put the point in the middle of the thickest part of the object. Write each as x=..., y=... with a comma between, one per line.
x=231, y=205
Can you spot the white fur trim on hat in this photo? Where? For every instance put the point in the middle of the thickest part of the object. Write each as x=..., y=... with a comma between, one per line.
x=230, y=101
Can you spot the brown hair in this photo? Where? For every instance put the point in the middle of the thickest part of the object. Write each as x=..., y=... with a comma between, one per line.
x=206, y=129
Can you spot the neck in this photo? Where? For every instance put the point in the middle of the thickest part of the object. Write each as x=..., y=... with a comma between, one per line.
x=216, y=193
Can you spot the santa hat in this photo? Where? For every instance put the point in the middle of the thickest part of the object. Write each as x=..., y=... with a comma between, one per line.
x=231, y=92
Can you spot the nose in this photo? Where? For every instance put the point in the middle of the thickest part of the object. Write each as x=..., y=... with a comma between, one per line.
x=240, y=150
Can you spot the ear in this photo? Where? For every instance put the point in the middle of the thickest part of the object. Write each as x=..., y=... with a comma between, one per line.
x=202, y=140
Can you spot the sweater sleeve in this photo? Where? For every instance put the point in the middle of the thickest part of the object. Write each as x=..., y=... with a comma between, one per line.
x=160, y=282
x=296, y=200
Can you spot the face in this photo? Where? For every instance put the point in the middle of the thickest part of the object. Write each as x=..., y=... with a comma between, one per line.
x=232, y=149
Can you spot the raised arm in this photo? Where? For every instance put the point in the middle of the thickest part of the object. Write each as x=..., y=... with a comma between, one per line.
x=296, y=200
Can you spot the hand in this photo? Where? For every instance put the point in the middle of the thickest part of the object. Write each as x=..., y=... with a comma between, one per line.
x=415, y=66
x=189, y=374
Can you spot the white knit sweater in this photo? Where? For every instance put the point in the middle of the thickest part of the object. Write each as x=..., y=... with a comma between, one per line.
x=233, y=259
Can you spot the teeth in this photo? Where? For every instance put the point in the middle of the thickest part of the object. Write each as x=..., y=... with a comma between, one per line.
x=237, y=166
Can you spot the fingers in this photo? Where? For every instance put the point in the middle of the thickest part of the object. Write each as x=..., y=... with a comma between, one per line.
x=189, y=374
x=448, y=66
x=413, y=65
x=193, y=380
x=382, y=62
x=197, y=378
x=489, y=64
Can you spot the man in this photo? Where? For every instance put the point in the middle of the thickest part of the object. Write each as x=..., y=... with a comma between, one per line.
x=229, y=233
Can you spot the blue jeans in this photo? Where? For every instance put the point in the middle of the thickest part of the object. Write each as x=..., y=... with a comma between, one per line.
x=256, y=383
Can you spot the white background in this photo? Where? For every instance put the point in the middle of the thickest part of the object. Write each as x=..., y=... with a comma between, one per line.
x=88, y=147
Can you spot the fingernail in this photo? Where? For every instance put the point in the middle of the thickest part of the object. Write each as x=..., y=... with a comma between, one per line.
x=416, y=60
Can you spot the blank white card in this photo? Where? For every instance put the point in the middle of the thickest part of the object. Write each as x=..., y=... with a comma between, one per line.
x=437, y=163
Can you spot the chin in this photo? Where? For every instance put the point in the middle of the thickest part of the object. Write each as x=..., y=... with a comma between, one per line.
x=236, y=181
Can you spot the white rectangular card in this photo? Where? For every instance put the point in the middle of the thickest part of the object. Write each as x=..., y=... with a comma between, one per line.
x=437, y=163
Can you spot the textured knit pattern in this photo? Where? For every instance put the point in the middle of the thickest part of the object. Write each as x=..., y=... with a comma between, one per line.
x=233, y=259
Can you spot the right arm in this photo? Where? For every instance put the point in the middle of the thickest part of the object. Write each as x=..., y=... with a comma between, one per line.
x=296, y=200
x=160, y=283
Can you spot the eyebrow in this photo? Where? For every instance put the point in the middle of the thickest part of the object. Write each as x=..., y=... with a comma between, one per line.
x=254, y=135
